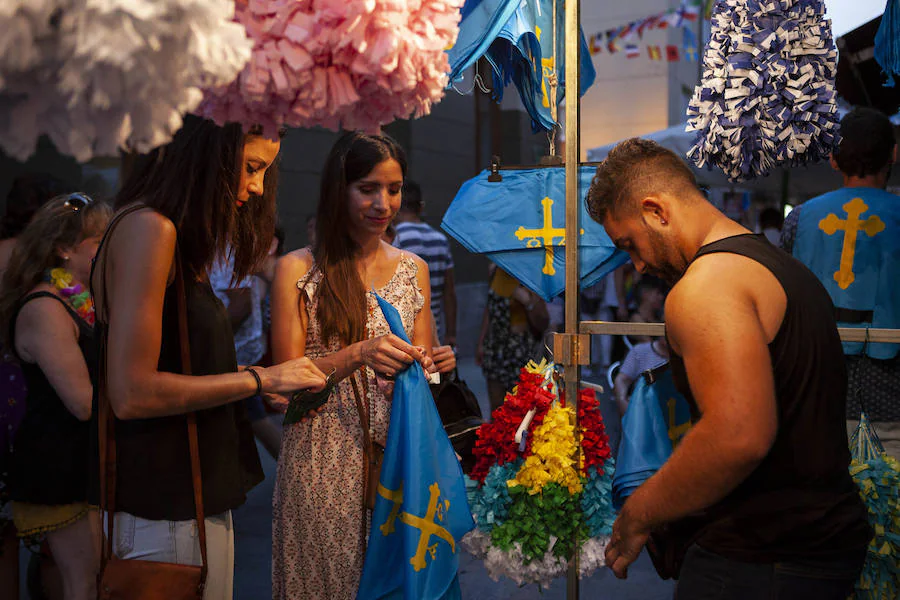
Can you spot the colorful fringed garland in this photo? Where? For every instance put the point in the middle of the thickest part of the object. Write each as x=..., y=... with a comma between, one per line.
x=530, y=499
x=767, y=95
x=878, y=477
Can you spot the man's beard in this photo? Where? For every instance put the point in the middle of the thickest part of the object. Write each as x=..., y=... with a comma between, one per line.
x=663, y=268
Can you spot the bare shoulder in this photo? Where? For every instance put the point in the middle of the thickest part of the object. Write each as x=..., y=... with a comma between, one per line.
x=722, y=292
x=146, y=223
x=293, y=265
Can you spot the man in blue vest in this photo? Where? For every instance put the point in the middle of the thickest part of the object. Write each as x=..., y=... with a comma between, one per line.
x=850, y=238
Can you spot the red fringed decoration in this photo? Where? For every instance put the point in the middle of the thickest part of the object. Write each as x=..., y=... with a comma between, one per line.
x=496, y=444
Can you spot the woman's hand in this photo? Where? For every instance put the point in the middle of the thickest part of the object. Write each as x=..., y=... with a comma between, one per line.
x=387, y=355
x=479, y=353
x=291, y=376
x=444, y=358
x=277, y=402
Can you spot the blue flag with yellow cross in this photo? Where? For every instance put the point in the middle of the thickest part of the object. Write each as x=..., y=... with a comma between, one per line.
x=519, y=224
x=421, y=512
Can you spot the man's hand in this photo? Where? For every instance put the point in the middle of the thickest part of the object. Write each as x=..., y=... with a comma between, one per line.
x=625, y=545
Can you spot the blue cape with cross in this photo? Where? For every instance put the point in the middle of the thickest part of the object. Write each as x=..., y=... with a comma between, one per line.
x=519, y=224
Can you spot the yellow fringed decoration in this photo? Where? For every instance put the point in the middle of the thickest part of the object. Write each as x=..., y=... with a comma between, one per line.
x=553, y=454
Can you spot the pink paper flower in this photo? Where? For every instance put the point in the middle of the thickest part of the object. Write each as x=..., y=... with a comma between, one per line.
x=356, y=64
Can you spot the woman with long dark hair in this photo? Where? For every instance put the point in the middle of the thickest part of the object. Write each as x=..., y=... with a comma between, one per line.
x=324, y=307
x=48, y=317
x=210, y=189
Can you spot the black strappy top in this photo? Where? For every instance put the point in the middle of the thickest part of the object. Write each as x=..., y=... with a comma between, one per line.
x=50, y=451
x=800, y=502
x=153, y=458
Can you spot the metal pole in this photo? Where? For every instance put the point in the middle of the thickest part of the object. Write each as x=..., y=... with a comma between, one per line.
x=573, y=205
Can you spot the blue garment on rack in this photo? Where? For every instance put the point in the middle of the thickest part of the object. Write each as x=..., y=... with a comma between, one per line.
x=520, y=50
x=519, y=223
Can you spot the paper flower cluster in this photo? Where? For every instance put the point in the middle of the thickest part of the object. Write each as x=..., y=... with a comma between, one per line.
x=878, y=477
x=100, y=75
x=767, y=94
x=532, y=501
x=356, y=64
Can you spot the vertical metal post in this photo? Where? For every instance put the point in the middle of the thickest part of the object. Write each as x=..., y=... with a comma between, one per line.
x=573, y=205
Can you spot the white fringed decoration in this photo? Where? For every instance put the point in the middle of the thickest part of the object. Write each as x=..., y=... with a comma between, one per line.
x=767, y=95
x=100, y=75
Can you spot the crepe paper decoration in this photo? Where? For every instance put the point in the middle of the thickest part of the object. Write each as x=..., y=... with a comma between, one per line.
x=491, y=505
x=356, y=64
x=887, y=42
x=496, y=444
x=519, y=223
x=767, y=95
x=553, y=454
x=533, y=510
x=877, y=475
x=98, y=76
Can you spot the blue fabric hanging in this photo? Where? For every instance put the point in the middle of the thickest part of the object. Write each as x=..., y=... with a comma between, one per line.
x=421, y=512
x=887, y=42
x=519, y=223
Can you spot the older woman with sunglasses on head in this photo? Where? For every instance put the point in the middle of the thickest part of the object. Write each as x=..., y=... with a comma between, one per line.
x=50, y=317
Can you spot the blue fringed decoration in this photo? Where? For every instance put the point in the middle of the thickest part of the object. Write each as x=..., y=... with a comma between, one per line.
x=767, y=94
x=596, y=500
x=490, y=503
x=887, y=42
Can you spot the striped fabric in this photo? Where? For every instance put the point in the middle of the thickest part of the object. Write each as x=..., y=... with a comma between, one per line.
x=432, y=246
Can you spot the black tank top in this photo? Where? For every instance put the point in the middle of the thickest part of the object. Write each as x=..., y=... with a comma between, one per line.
x=50, y=451
x=800, y=502
x=153, y=458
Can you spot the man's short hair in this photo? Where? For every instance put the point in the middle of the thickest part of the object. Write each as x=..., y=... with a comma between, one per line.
x=633, y=169
x=411, y=198
x=867, y=142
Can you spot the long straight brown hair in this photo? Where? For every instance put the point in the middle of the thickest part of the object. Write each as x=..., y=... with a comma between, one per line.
x=193, y=181
x=342, y=295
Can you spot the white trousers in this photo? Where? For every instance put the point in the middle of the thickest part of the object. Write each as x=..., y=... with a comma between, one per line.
x=179, y=542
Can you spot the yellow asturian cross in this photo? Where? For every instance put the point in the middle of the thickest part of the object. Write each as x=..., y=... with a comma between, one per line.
x=426, y=525
x=544, y=236
x=831, y=224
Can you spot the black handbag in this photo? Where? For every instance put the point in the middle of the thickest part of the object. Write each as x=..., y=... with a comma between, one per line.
x=460, y=415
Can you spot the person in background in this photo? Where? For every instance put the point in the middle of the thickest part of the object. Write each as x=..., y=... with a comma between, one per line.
x=642, y=357
x=770, y=222
x=27, y=194
x=862, y=280
x=171, y=219
x=756, y=501
x=416, y=236
x=324, y=307
x=49, y=320
x=512, y=329
x=650, y=294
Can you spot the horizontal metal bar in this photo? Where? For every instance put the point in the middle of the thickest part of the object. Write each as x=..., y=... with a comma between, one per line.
x=848, y=334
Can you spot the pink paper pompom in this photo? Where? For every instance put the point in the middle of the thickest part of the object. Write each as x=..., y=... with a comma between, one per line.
x=356, y=64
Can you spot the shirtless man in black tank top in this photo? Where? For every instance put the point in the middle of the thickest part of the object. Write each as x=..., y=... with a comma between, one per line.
x=758, y=490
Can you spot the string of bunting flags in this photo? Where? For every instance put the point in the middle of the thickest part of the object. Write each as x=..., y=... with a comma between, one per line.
x=627, y=38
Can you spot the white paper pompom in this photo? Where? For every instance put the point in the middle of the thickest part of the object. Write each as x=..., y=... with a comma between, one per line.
x=100, y=75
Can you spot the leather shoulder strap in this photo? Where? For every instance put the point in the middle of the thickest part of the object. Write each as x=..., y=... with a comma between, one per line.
x=196, y=477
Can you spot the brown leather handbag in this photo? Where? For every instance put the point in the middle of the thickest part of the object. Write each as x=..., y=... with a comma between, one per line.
x=373, y=452
x=143, y=579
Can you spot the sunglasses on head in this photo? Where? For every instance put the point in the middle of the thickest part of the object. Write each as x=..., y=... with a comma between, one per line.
x=77, y=201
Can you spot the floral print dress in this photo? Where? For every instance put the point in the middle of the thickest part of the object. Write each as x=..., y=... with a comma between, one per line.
x=318, y=544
